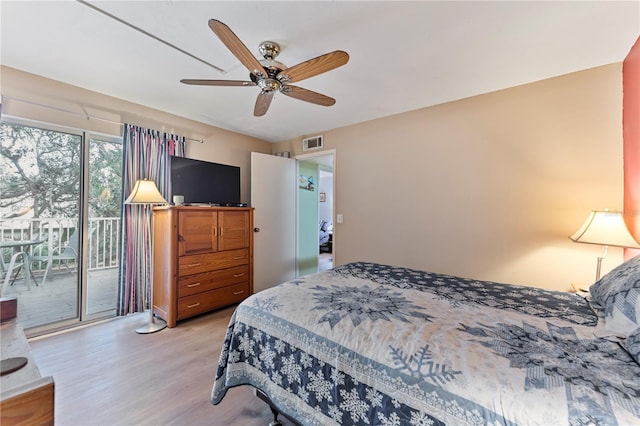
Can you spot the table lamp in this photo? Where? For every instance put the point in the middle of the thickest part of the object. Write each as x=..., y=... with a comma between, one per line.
x=605, y=228
x=146, y=192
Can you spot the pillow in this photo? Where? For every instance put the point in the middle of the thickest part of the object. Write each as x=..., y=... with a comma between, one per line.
x=632, y=345
x=618, y=294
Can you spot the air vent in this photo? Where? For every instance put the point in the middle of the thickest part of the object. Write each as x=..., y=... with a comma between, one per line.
x=314, y=142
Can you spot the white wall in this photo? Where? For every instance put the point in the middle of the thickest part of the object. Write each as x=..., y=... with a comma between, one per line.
x=326, y=186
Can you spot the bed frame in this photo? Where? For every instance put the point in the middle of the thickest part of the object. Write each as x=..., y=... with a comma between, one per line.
x=274, y=410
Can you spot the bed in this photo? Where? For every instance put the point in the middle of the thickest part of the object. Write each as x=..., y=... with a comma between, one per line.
x=365, y=344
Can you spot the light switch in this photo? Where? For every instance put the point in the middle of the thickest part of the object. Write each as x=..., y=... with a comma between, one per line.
x=339, y=218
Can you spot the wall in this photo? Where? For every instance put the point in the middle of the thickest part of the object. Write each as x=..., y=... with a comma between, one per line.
x=23, y=92
x=488, y=187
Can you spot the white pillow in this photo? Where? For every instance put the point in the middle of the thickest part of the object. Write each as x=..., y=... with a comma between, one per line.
x=618, y=295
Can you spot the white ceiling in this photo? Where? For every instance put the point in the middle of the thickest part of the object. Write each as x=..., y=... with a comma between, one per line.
x=403, y=55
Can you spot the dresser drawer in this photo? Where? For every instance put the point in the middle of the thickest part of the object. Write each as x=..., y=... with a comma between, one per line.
x=212, y=299
x=206, y=262
x=193, y=284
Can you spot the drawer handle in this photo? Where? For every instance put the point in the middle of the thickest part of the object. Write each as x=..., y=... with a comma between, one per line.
x=238, y=275
x=193, y=285
x=193, y=305
x=191, y=265
x=238, y=257
x=235, y=293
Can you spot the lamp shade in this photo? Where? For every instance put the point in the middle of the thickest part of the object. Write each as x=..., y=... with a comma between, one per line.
x=605, y=228
x=145, y=192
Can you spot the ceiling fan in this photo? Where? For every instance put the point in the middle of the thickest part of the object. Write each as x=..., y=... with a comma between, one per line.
x=270, y=75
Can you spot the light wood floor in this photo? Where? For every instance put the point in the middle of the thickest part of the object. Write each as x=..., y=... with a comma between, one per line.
x=325, y=261
x=106, y=374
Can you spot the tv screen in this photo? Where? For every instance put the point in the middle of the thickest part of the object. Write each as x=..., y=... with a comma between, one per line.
x=204, y=182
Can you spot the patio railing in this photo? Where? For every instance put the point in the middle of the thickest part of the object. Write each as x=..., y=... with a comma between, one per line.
x=103, y=238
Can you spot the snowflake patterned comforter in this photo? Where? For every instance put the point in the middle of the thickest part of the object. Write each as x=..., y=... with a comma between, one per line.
x=367, y=344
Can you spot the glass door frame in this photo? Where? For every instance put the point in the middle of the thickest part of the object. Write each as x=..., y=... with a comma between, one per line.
x=85, y=180
x=82, y=316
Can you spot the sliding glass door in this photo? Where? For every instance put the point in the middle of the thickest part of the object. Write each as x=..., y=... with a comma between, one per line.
x=59, y=223
x=103, y=226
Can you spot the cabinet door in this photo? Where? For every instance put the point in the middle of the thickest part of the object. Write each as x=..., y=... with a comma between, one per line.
x=197, y=232
x=234, y=230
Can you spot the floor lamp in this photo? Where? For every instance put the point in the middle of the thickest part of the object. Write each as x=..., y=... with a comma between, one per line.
x=145, y=192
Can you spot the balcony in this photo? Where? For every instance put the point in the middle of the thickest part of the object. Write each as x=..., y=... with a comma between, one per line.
x=55, y=298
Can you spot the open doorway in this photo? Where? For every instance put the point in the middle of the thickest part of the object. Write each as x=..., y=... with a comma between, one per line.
x=324, y=245
x=325, y=216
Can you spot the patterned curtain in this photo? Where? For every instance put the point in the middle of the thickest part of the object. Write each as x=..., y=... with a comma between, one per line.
x=146, y=156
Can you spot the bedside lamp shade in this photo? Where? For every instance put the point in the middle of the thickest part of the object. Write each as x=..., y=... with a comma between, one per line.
x=145, y=192
x=605, y=228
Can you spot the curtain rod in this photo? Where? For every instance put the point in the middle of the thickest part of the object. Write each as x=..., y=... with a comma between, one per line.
x=85, y=115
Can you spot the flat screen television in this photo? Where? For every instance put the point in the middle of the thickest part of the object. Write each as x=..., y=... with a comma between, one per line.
x=202, y=182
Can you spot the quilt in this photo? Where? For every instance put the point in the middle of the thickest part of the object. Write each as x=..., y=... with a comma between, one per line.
x=371, y=344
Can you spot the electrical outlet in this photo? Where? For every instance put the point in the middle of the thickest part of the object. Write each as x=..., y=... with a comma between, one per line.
x=339, y=218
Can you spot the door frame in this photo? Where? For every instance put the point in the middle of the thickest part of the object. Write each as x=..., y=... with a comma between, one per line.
x=85, y=216
x=311, y=156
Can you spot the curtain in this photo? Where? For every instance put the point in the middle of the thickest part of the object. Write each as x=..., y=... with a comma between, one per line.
x=146, y=156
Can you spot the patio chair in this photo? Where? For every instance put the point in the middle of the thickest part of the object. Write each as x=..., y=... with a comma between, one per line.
x=61, y=254
x=14, y=264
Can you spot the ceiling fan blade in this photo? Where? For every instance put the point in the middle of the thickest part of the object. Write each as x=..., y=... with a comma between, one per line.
x=312, y=67
x=307, y=95
x=263, y=102
x=236, y=47
x=199, y=82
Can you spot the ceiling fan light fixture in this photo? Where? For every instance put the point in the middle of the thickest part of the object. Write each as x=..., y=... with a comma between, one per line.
x=269, y=84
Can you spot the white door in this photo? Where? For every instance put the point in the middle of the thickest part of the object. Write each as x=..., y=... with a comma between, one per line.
x=273, y=195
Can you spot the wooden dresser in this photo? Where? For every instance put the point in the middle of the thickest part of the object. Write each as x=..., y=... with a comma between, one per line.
x=203, y=259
